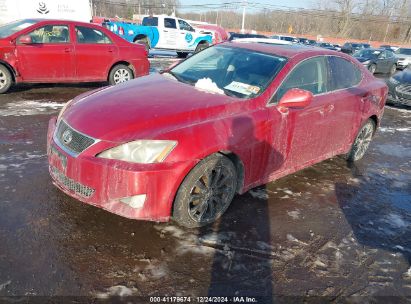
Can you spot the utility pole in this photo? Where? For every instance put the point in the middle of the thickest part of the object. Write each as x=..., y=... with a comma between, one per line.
x=242, y=25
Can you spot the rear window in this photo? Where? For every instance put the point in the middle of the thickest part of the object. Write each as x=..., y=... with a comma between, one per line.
x=344, y=74
x=150, y=21
x=14, y=27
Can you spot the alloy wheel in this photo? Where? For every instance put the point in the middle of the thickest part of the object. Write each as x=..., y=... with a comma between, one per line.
x=121, y=75
x=363, y=141
x=211, y=194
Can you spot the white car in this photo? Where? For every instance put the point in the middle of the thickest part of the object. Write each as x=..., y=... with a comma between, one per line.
x=404, y=57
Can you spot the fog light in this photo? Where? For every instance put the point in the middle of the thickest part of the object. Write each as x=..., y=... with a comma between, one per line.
x=135, y=202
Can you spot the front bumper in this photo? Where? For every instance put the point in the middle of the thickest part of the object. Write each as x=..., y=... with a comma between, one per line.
x=102, y=182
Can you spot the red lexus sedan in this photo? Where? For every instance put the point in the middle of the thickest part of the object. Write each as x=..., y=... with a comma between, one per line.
x=182, y=143
x=54, y=51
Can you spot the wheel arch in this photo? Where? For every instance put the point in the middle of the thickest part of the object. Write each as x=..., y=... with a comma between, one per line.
x=239, y=165
x=375, y=119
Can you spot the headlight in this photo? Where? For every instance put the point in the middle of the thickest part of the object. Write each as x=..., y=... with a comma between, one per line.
x=366, y=62
x=63, y=109
x=394, y=81
x=141, y=151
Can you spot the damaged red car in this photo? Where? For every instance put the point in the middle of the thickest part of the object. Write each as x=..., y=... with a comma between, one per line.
x=182, y=143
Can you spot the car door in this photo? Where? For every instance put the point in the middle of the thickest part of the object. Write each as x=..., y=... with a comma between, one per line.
x=301, y=134
x=186, y=36
x=49, y=57
x=95, y=53
x=383, y=62
x=346, y=98
x=168, y=34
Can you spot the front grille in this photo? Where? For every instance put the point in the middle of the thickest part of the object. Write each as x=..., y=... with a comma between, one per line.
x=70, y=184
x=77, y=143
x=403, y=91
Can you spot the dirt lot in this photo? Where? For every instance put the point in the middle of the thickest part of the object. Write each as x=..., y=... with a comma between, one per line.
x=330, y=230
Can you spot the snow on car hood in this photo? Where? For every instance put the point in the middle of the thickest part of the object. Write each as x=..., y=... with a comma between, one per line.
x=146, y=107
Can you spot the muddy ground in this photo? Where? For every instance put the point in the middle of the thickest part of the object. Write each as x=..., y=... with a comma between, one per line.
x=330, y=230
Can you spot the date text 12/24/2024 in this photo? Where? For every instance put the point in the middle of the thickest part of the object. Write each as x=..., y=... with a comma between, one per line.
x=236, y=299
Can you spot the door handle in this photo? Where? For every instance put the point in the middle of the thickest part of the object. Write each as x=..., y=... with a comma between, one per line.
x=110, y=50
x=67, y=50
x=165, y=31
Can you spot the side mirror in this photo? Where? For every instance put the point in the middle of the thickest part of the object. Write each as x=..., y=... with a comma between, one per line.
x=296, y=98
x=25, y=39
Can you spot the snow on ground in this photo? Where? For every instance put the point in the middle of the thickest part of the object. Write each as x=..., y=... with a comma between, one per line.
x=30, y=107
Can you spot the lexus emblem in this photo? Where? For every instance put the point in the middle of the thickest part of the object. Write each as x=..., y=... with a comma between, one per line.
x=67, y=137
x=43, y=8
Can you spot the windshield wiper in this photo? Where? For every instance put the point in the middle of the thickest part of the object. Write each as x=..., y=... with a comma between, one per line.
x=179, y=78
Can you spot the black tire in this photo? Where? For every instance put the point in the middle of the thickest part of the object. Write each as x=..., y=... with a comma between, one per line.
x=182, y=54
x=144, y=41
x=201, y=46
x=206, y=192
x=393, y=69
x=372, y=68
x=362, y=141
x=120, y=73
x=6, y=80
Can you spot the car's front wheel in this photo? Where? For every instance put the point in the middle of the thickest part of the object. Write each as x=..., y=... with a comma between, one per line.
x=206, y=192
x=120, y=73
x=362, y=141
x=372, y=68
x=5, y=79
x=393, y=69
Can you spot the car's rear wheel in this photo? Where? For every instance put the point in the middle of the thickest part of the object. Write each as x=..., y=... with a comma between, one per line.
x=6, y=80
x=206, y=192
x=362, y=141
x=393, y=69
x=120, y=73
x=372, y=68
x=201, y=46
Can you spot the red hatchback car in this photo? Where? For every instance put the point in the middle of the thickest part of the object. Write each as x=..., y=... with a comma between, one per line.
x=53, y=51
x=182, y=143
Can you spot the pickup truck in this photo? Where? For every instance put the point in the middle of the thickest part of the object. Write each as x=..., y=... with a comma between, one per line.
x=162, y=32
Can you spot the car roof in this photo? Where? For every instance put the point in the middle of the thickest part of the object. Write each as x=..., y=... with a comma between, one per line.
x=288, y=51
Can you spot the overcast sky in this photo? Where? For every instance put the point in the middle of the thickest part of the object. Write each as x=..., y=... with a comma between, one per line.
x=286, y=3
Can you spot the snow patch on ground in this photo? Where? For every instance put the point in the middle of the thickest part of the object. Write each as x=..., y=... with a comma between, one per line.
x=395, y=220
x=393, y=130
x=117, y=291
x=294, y=214
x=32, y=107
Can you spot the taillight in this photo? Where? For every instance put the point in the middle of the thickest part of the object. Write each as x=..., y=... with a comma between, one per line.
x=121, y=31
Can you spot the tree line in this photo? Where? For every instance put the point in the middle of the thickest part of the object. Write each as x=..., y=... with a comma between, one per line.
x=380, y=20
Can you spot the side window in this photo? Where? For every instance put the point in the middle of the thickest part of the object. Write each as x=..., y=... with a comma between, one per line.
x=50, y=34
x=91, y=35
x=344, y=74
x=185, y=26
x=383, y=55
x=390, y=54
x=310, y=75
x=170, y=23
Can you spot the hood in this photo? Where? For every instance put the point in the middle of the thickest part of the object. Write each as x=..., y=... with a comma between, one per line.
x=144, y=108
x=404, y=76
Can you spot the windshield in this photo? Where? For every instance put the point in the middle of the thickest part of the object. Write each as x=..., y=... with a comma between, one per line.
x=13, y=27
x=403, y=51
x=232, y=71
x=367, y=53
